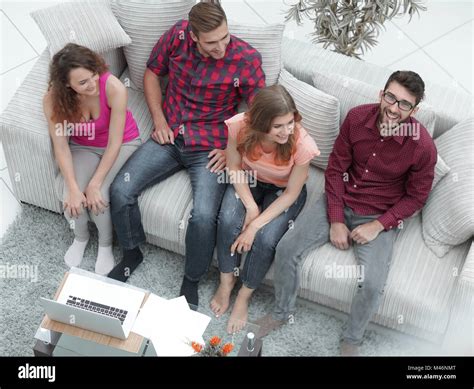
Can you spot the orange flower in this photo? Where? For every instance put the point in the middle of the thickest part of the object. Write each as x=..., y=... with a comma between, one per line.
x=212, y=348
x=196, y=347
x=227, y=348
x=215, y=340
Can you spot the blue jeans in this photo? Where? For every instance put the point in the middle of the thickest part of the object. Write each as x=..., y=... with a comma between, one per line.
x=311, y=230
x=151, y=164
x=230, y=223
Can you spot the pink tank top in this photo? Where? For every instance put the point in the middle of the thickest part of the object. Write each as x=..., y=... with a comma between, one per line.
x=96, y=132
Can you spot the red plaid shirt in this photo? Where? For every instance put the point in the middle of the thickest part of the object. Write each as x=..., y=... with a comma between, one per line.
x=373, y=175
x=203, y=92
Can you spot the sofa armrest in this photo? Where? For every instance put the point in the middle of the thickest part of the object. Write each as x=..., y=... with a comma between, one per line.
x=26, y=142
x=459, y=337
x=467, y=271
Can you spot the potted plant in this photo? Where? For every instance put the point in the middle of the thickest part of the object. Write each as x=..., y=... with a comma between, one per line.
x=350, y=27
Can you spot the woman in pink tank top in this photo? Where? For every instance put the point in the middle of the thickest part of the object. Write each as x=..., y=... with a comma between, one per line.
x=93, y=135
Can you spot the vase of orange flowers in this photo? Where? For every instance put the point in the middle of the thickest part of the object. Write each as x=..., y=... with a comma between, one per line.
x=214, y=348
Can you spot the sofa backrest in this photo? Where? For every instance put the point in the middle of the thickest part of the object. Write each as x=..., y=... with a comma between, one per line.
x=302, y=59
x=116, y=60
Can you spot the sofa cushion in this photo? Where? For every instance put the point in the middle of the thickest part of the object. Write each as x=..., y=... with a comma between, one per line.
x=448, y=216
x=459, y=339
x=441, y=169
x=267, y=40
x=115, y=60
x=451, y=104
x=138, y=106
x=164, y=208
x=320, y=113
x=145, y=21
x=318, y=59
x=413, y=301
x=90, y=24
x=352, y=93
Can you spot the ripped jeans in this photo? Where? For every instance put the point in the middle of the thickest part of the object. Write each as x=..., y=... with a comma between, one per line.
x=311, y=230
x=229, y=226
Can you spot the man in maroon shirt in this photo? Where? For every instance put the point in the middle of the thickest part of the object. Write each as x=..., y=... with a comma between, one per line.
x=380, y=172
x=210, y=72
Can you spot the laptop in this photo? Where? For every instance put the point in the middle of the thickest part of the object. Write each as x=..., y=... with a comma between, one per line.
x=95, y=305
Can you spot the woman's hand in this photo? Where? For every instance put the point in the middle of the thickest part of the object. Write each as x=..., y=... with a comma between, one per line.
x=75, y=202
x=245, y=240
x=95, y=202
x=217, y=160
x=251, y=214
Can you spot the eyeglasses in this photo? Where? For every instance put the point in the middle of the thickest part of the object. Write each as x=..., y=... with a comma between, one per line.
x=402, y=104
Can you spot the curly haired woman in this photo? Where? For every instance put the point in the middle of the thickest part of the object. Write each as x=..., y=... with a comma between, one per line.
x=93, y=135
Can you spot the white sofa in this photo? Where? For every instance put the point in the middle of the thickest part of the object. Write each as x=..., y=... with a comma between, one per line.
x=421, y=298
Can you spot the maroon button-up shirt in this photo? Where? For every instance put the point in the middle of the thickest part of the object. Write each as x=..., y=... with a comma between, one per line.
x=375, y=175
x=203, y=92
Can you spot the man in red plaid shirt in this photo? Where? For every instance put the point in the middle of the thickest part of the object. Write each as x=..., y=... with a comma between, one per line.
x=210, y=72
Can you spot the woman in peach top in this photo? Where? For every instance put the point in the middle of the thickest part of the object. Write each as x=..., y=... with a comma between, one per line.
x=268, y=155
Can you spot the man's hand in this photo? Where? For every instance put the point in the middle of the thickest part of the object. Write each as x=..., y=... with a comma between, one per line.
x=339, y=235
x=366, y=232
x=162, y=133
x=217, y=160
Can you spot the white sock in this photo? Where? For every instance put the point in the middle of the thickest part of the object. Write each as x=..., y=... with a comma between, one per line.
x=105, y=260
x=75, y=252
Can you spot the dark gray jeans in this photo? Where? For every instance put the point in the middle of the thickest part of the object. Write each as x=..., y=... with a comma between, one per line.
x=230, y=222
x=311, y=230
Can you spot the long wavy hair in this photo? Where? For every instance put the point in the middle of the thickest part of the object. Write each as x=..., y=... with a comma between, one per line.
x=267, y=104
x=64, y=98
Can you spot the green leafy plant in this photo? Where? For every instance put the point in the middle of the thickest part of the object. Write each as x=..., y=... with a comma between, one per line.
x=350, y=27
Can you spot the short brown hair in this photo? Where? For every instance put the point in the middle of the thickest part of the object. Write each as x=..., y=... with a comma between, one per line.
x=409, y=80
x=267, y=104
x=206, y=16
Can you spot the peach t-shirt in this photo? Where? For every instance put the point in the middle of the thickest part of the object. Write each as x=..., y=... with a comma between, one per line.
x=265, y=167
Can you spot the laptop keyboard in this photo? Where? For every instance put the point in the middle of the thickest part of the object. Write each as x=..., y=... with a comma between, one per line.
x=92, y=306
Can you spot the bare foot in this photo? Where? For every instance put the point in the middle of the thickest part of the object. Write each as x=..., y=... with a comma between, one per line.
x=267, y=324
x=238, y=317
x=221, y=300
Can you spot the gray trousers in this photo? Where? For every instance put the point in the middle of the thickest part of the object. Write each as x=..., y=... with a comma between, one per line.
x=85, y=160
x=311, y=230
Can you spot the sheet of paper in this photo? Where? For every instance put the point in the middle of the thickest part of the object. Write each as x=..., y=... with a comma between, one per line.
x=151, y=313
x=173, y=346
x=171, y=325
